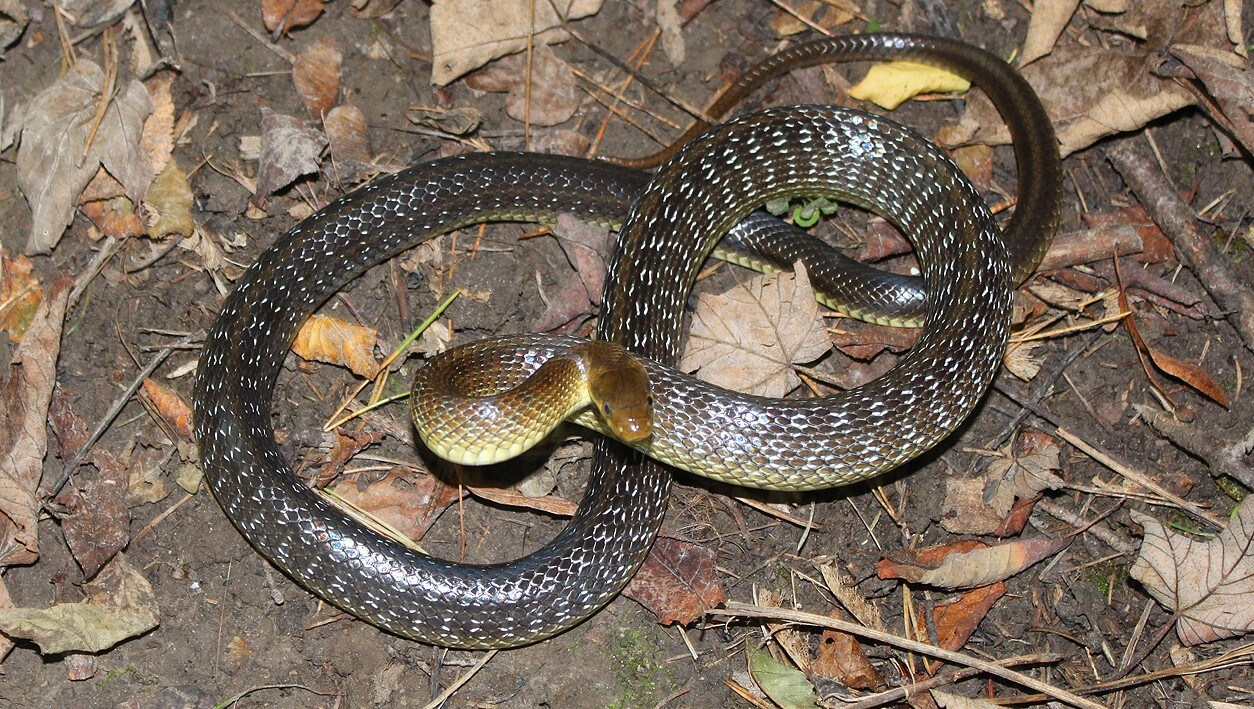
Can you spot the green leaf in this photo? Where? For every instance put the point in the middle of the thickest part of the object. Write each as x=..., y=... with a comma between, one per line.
x=786, y=686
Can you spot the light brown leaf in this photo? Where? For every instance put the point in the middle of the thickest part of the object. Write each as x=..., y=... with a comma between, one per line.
x=52, y=171
x=120, y=605
x=289, y=149
x=157, y=140
x=552, y=92
x=466, y=34
x=20, y=294
x=1089, y=93
x=331, y=340
x=585, y=246
x=1049, y=19
x=962, y=565
x=346, y=133
x=171, y=406
x=749, y=337
x=281, y=16
x=169, y=202
x=677, y=581
x=549, y=504
x=24, y=401
x=316, y=73
x=407, y=501
x=1207, y=584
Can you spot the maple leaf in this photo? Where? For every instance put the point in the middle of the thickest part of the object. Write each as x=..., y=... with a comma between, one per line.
x=749, y=337
x=1208, y=585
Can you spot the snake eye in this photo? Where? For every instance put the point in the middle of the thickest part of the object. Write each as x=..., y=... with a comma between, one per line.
x=649, y=401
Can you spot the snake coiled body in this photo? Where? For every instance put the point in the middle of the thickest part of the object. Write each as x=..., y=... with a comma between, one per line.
x=788, y=151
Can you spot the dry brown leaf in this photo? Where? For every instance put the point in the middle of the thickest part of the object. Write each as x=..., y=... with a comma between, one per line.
x=281, y=16
x=824, y=13
x=52, y=171
x=1049, y=19
x=346, y=134
x=1089, y=93
x=986, y=504
x=20, y=294
x=331, y=340
x=13, y=20
x=1227, y=77
x=549, y=504
x=963, y=565
x=316, y=74
x=120, y=605
x=157, y=140
x=1207, y=584
x=957, y=620
x=466, y=34
x=865, y=341
x=171, y=406
x=677, y=581
x=237, y=651
x=24, y=401
x=749, y=337
x=552, y=92
x=169, y=203
x=585, y=246
x=407, y=501
x=840, y=658
x=93, y=513
x=289, y=149
x=114, y=216
x=1196, y=377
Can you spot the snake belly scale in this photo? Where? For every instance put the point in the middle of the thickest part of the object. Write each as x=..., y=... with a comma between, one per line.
x=795, y=150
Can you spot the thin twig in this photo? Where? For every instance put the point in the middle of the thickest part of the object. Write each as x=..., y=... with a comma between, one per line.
x=732, y=608
x=116, y=409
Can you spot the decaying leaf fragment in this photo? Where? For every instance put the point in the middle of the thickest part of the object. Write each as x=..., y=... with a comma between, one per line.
x=677, y=581
x=1207, y=584
x=24, y=400
x=289, y=149
x=466, y=34
x=749, y=337
x=52, y=167
x=120, y=605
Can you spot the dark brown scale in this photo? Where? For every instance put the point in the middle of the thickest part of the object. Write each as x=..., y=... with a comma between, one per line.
x=531, y=598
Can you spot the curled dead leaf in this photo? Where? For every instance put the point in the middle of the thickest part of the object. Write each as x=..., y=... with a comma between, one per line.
x=331, y=340
x=968, y=564
x=282, y=16
x=316, y=74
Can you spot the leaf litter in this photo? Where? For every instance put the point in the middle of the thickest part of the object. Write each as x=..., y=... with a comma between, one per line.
x=1015, y=479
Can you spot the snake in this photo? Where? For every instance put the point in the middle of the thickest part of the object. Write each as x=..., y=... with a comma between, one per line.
x=712, y=183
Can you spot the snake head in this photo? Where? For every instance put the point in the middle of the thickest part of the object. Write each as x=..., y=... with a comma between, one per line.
x=618, y=386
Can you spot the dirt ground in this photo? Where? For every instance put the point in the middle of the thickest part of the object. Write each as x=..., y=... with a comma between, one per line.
x=233, y=629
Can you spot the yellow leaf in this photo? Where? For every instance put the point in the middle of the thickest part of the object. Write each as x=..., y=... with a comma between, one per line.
x=890, y=85
x=330, y=340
